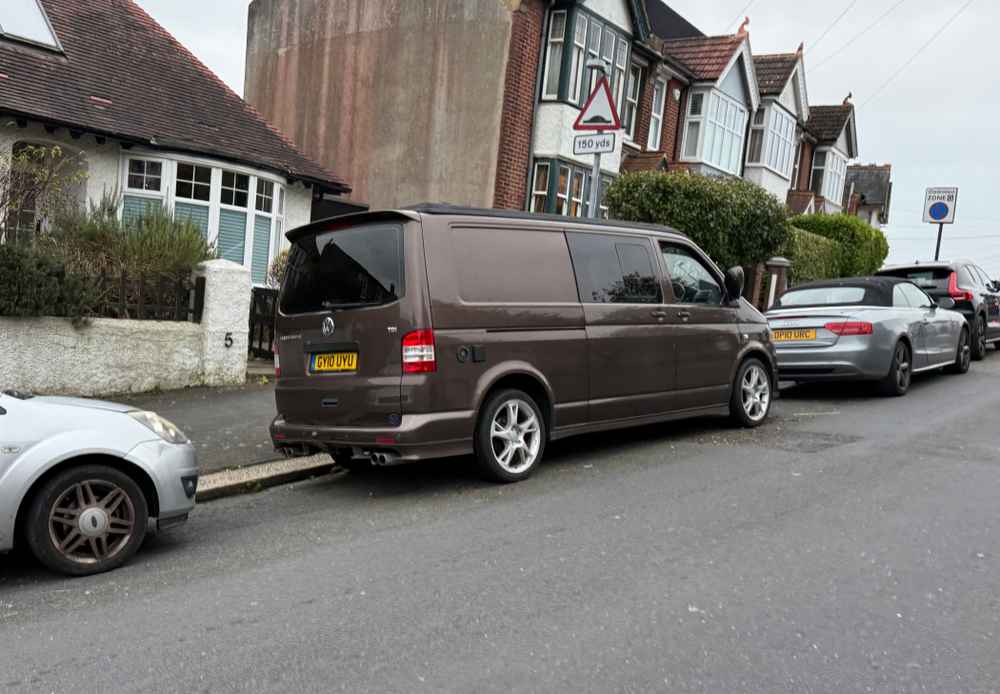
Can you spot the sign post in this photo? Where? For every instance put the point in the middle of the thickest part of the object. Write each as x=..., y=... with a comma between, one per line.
x=939, y=208
x=598, y=114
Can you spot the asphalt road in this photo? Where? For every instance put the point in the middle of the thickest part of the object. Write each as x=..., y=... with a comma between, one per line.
x=228, y=424
x=851, y=545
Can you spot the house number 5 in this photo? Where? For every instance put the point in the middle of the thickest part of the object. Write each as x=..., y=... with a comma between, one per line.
x=229, y=340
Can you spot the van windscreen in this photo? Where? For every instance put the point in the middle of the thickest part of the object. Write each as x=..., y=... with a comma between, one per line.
x=344, y=268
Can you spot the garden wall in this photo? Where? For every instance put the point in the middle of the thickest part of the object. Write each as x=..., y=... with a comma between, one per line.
x=107, y=356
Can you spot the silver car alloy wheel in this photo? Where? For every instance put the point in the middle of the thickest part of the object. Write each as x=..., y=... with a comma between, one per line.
x=515, y=436
x=92, y=521
x=756, y=393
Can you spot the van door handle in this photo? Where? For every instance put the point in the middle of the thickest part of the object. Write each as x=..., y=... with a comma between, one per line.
x=684, y=315
x=658, y=315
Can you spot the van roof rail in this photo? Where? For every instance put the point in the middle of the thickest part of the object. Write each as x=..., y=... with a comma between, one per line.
x=443, y=208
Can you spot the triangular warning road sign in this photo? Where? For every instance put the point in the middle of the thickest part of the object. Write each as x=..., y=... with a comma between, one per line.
x=599, y=112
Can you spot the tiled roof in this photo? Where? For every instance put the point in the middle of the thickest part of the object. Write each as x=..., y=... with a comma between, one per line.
x=123, y=75
x=666, y=23
x=705, y=56
x=873, y=182
x=644, y=161
x=827, y=122
x=773, y=71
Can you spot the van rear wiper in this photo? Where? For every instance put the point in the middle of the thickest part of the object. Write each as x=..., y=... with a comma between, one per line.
x=330, y=305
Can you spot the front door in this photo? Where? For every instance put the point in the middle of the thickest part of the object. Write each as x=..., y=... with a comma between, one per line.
x=707, y=334
x=630, y=358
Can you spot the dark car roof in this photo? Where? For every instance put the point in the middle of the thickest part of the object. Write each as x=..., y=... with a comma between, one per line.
x=459, y=211
x=878, y=290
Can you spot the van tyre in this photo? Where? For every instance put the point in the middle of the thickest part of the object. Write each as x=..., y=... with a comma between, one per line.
x=87, y=520
x=510, y=436
x=979, y=339
x=752, y=394
x=964, y=357
x=897, y=381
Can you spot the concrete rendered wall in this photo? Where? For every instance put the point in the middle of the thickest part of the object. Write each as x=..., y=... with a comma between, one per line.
x=107, y=356
x=403, y=97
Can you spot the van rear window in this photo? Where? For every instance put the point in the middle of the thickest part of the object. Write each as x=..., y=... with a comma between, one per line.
x=344, y=268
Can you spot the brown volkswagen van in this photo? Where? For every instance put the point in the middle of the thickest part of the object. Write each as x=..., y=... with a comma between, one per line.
x=439, y=331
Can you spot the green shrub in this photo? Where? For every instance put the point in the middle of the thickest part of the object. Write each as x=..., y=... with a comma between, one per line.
x=97, y=242
x=736, y=222
x=813, y=257
x=32, y=284
x=862, y=248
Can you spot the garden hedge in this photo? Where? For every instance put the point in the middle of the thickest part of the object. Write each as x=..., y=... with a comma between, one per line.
x=813, y=257
x=32, y=284
x=736, y=222
x=862, y=247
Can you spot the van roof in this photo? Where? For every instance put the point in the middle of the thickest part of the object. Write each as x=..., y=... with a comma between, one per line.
x=427, y=208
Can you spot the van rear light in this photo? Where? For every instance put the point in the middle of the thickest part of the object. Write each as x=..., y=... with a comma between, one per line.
x=277, y=362
x=850, y=328
x=418, y=352
x=956, y=292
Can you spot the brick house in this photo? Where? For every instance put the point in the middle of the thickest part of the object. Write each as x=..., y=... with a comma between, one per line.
x=139, y=117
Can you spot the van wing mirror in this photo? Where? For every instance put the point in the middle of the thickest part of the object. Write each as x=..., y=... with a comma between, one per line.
x=735, y=279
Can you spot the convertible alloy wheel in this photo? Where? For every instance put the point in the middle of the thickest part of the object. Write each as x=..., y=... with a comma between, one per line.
x=897, y=382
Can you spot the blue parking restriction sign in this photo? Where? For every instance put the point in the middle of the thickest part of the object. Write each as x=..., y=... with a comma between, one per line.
x=939, y=211
x=939, y=205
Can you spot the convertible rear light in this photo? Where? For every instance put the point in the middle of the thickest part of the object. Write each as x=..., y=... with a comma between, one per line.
x=418, y=352
x=956, y=292
x=850, y=328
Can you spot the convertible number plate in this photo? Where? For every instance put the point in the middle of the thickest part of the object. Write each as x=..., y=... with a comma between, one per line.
x=800, y=335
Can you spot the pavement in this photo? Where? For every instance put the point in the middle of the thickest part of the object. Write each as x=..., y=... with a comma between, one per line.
x=852, y=544
x=229, y=425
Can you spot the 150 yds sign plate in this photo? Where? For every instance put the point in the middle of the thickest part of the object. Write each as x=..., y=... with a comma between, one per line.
x=594, y=144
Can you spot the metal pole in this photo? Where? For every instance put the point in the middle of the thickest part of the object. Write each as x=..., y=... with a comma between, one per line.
x=595, y=187
x=937, y=252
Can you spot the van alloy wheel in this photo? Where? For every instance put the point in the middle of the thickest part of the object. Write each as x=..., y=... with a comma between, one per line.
x=515, y=436
x=756, y=393
x=92, y=521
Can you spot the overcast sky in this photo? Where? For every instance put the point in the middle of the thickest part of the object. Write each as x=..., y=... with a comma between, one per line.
x=936, y=122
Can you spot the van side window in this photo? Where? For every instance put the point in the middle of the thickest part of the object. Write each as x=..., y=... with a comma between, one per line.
x=613, y=269
x=692, y=282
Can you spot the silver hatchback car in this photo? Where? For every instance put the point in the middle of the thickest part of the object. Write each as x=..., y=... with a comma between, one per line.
x=83, y=481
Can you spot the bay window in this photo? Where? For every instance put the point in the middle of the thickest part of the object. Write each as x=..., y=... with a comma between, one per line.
x=828, y=171
x=631, y=111
x=193, y=193
x=756, y=137
x=780, y=141
x=579, y=65
x=716, y=136
x=562, y=188
x=554, y=54
x=619, y=74
x=145, y=191
x=656, y=116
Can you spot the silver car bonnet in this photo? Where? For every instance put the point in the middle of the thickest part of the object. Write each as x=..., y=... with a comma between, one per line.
x=82, y=402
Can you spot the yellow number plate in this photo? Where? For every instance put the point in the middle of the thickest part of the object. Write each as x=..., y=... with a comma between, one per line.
x=335, y=361
x=793, y=335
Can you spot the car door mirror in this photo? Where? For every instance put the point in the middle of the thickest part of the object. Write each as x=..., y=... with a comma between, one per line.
x=945, y=302
x=735, y=279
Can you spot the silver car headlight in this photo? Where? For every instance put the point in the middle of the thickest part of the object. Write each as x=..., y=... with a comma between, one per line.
x=163, y=428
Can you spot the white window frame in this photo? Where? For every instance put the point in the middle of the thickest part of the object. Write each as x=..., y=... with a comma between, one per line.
x=690, y=118
x=192, y=201
x=576, y=201
x=166, y=174
x=779, y=144
x=630, y=114
x=722, y=117
x=834, y=170
x=620, y=71
x=551, y=92
x=579, y=65
x=562, y=195
x=543, y=191
x=653, y=142
x=250, y=191
x=758, y=128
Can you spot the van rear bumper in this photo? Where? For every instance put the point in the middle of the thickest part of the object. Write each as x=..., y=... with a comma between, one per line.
x=418, y=437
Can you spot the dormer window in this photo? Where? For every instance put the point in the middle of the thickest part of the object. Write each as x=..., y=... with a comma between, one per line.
x=25, y=20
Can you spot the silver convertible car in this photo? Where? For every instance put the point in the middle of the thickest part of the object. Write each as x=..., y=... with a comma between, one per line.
x=82, y=481
x=881, y=329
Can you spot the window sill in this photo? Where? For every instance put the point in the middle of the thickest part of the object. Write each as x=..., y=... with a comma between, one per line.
x=780, y=175
x=631, y=144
